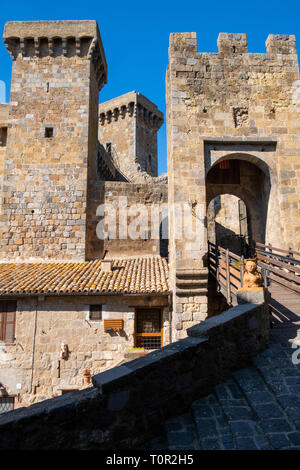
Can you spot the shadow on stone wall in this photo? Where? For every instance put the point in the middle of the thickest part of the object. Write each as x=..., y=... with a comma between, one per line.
x=229, y=239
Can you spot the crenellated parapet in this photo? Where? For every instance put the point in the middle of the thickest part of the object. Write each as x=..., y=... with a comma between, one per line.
x=231, y=44
x=39, y=39
x=131, y=105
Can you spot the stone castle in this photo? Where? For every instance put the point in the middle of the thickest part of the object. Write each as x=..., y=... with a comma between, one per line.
x=75, y=303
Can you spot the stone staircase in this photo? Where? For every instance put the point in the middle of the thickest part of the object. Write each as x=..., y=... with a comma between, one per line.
x=258, y=408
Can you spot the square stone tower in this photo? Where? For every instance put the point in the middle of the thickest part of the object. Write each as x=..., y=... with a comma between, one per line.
x=128, y=127
x=58, y=69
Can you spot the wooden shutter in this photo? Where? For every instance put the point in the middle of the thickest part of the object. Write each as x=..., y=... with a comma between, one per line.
x=7, y=321
x=95, y=312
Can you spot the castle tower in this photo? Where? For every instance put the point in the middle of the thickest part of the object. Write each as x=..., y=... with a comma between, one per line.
x=233, y=125
x=58, y=69
x=128, y=128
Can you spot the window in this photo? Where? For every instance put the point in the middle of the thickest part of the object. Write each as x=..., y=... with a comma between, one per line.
x=6, y=404
x=148, y=328
x=108, y=148
x=95, y=312
x=48, y=132
x=7, y=321
x=3, y=136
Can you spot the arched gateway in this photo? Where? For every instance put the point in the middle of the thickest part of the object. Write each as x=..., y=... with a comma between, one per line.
x=237, y=175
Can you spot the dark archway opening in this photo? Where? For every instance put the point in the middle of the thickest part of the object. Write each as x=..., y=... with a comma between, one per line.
x=250, y=184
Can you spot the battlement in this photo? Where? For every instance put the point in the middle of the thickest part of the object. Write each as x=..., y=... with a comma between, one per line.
x=55, y=39
x=281, y=44
x=131, y=104
x=234, y=43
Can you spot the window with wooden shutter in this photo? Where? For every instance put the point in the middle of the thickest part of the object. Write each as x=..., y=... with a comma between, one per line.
x=7, y=321
x=95, y=312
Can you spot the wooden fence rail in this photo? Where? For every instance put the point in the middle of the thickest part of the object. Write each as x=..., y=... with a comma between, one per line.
x=278, y=267
x=228, y=268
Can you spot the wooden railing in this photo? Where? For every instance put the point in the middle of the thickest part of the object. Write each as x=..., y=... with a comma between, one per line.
x=279, y=265
x=227, y=268
x=274, y=265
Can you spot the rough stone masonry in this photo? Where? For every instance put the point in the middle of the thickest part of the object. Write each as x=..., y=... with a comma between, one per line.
x=243, y=109
x=52, y=138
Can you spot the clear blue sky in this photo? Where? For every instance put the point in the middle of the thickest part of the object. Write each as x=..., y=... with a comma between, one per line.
x=135, y=35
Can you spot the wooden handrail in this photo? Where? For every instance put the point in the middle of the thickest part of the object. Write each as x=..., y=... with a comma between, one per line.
x=281, y=250
x=280, y=264
x=280, y=269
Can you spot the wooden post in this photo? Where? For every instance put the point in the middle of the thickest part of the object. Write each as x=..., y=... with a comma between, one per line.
x=228, y=296
x=264, y=275
x=242, y=272
x=218, y=270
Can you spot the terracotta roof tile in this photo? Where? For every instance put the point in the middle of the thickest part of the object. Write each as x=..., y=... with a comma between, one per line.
x=137, y=275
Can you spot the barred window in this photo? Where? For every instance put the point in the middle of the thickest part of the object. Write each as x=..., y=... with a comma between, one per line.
x=7, y=321
x=6, y=404
x=95, y=312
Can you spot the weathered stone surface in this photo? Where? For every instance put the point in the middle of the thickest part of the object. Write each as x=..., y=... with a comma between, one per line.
x=32, y=366
x=51, y=140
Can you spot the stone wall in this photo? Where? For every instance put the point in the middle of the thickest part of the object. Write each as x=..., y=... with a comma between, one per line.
x=124, y=195
x=33, y=360
x=129, y=404
x=52, y=139
x=225, y=106
x=4, y=122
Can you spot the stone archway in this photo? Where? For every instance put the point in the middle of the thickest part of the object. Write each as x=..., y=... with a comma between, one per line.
x=228, y=224
x=248, y=181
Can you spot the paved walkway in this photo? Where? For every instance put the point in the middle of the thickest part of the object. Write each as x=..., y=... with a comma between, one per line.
x=285, y=306
x=258, y=408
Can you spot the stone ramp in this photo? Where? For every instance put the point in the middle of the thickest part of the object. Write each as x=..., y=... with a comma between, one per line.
x=257, y=409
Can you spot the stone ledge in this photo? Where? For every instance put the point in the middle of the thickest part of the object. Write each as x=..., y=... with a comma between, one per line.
x=204, y=328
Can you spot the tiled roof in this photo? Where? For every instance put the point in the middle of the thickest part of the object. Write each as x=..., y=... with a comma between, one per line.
x=138, y=275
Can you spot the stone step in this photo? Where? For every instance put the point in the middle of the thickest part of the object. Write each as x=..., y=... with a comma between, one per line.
x=213, y=431
x=181, y=433
x=258, y=408
x=245, y=431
